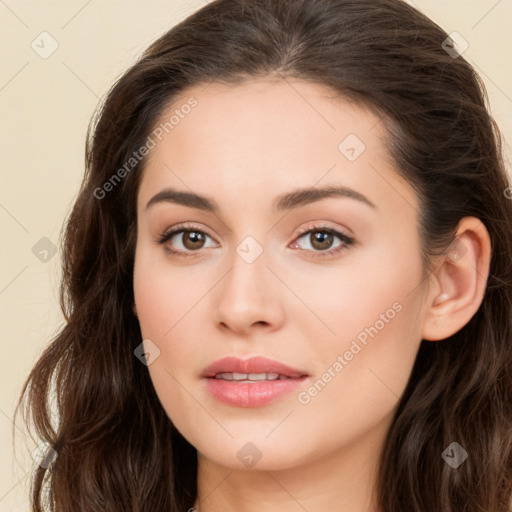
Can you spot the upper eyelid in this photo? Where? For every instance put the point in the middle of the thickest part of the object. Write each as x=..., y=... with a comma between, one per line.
x=307, y=229
x=181, y=228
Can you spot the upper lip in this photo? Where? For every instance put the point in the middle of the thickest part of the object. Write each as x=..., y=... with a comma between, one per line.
x=256, y=364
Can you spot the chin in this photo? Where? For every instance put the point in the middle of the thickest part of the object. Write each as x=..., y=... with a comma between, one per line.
x=253, y=453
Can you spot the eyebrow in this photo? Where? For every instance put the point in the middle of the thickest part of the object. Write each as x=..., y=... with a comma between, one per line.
x=284, y=202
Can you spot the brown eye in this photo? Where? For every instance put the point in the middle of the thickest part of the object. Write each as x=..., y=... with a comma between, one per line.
x=184, y=241
x=193, y=239
x=321, y=240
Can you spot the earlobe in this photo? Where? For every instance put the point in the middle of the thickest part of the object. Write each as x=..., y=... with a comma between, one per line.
x=461, y=281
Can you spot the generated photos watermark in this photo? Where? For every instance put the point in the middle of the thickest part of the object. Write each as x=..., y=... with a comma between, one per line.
x=305, y=397
x=149, y=144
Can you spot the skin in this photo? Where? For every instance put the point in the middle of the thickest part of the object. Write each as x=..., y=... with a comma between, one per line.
x=243, y=146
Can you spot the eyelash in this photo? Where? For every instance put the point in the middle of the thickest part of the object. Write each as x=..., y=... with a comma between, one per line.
x=182, y=228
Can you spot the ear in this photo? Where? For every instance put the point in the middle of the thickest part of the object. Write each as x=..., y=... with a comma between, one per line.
x=459, y=281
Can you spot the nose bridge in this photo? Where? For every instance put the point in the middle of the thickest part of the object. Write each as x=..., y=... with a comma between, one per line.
x=247, y=295
x=247, y=279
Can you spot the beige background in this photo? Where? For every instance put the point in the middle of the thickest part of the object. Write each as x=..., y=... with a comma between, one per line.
x=45, y=106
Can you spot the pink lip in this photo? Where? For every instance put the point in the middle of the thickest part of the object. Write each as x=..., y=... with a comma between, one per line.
x=256, y=364
x=251, y=394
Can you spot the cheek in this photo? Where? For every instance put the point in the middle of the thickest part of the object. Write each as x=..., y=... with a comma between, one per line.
x=344, y=302
x=360, y=383
x=374, y=319
x=163, y=294
x=168, y=305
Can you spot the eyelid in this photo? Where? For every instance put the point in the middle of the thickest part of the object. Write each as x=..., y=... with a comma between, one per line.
x=185, y=226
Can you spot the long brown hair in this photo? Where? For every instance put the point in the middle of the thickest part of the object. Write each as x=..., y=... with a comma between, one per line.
x=116, y=448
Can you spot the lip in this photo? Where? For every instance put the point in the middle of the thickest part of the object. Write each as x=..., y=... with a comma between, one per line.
x=255, y=393
x=257, y=364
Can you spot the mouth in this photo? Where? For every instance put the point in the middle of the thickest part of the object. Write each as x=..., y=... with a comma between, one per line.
x=251, y=383
x=251, y=377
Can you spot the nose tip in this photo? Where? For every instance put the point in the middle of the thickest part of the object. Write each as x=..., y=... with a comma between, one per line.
x=247, y=297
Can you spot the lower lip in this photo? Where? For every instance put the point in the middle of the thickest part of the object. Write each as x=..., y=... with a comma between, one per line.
x=251, y=394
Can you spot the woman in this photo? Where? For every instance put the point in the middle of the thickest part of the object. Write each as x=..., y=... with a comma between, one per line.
x=287, y=278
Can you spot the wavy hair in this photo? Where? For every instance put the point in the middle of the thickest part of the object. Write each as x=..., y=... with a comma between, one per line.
x=88, y=396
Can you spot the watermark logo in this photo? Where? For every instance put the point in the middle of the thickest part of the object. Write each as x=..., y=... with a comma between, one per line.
x=147, y=352
x=454, y=455
x=249, y=455
x=457, y=250
x=43, y=455
x=455, y=45
x=249, y=249
x=44, y=45
x=351, y=147
x=44, y=250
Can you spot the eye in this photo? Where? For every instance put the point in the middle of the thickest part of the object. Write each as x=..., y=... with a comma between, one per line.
x=320, y=240
x=190, y=239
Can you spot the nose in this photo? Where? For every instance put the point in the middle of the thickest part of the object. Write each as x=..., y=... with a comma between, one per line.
x=249, y=297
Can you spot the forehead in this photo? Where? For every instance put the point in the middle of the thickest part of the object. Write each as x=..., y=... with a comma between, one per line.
x=271, y=115
x=265, y=107
x=268, y=135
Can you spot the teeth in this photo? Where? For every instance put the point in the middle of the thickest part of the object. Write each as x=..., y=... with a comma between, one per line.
x=250, y=376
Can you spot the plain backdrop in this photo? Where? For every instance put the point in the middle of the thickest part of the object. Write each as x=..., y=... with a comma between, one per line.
x=46, y=102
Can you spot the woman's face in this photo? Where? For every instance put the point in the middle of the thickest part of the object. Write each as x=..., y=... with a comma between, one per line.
x=257, y=274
